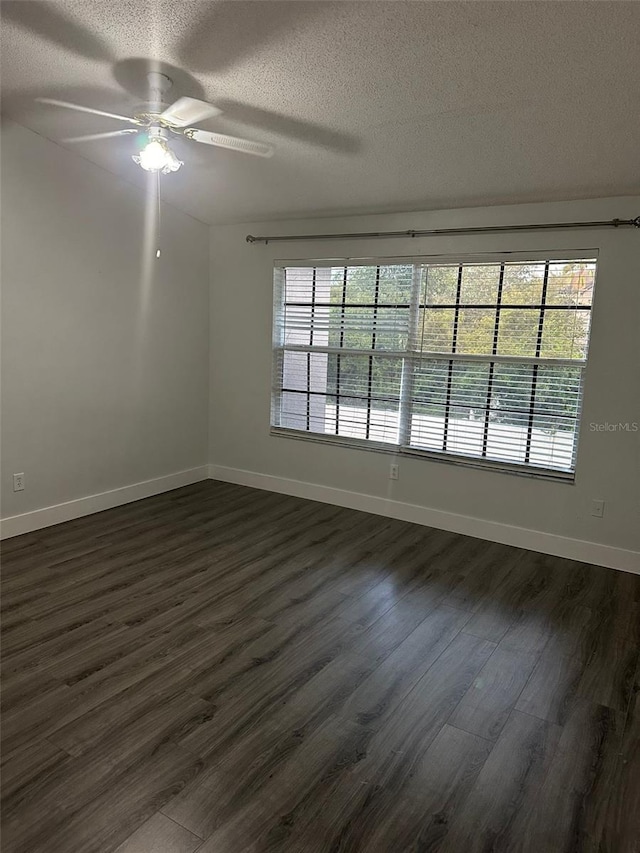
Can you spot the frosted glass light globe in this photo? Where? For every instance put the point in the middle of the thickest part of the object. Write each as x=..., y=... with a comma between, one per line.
x=154, y=156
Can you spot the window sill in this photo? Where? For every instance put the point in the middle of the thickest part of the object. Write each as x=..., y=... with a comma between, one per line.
x=431, y=456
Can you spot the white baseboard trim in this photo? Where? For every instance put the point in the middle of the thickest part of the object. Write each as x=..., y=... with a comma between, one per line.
x=506, y=534
x=521, y=537
x=26, y=522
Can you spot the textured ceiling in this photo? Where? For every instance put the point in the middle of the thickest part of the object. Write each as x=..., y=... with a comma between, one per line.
x=372, y=105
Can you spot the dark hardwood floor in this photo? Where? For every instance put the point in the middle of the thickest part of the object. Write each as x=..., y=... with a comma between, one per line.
x=222, y=669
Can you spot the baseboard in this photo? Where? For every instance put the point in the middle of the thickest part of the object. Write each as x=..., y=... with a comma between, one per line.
x=16, y=524
x=506, y=534
x=521, y=537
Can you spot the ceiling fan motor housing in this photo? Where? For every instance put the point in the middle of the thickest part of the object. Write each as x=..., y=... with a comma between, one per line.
x=157, y=132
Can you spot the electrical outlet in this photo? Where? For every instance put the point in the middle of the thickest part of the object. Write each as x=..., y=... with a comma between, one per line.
x=597, y=508
x=394, y=472
x=18, y=482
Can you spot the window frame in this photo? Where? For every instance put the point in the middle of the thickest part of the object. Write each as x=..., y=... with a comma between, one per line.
x=410, y=357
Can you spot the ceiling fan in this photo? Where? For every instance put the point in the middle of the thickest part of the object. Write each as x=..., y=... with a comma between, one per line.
x=155, y=122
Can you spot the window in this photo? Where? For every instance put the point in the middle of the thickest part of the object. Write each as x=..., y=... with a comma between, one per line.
x=471, y=361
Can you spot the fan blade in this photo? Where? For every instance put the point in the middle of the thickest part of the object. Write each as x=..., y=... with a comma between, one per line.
x=82, y=109
x=90, y=136
x=234, y=143
x=187, y=111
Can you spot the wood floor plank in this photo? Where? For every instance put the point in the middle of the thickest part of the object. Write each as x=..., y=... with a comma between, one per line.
x=22, y=767
x=160, y=834
x=571, y=805
x=485, y=707
x=76, y=785
x=603, y=678
x=318, y=766
x=120, y=718
x=399, y=671
x=39, y=655
x=522, y=599
x=342, y=748
x=507, y=784
x=60, y=705
x=254, y=760
x=621, y=831
x=489, y=569
x=112, y=815
x=401, y=732
x=236, y=772
x=614, y=596
x=264, y=683
x=410, y=816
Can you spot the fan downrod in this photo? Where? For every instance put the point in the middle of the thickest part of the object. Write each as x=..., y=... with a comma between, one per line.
x=159, y=85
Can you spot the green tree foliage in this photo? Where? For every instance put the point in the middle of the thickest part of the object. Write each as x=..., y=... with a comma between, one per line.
x=377, y=316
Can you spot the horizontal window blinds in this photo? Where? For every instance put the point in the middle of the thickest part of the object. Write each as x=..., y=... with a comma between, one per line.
x=482, y=361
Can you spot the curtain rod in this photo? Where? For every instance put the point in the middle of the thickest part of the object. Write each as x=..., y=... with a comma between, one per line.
x=437, y=232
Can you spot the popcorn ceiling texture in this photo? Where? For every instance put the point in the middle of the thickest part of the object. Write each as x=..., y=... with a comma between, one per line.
x=373, y=106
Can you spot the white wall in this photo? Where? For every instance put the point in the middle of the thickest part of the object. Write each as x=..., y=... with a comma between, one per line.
x=107, y=368
x=608, y=465
x=104, y=359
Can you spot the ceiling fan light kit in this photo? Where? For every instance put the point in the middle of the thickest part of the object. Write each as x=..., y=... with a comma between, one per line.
x=157, y=156
x=155, y=122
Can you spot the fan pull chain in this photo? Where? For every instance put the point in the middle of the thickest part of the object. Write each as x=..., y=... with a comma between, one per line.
x=158, y=215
